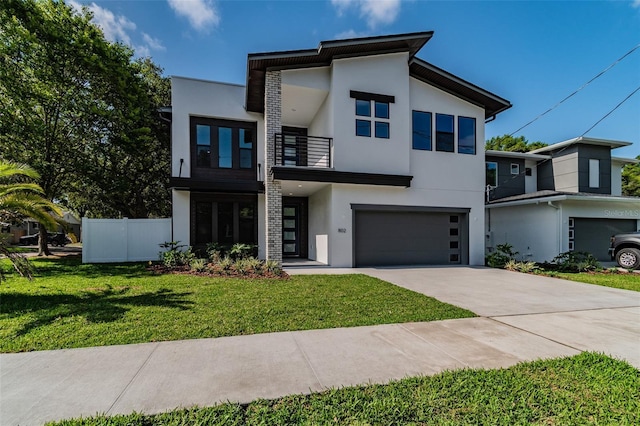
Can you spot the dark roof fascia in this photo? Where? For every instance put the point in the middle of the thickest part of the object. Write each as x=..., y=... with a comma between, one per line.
x=189, y=184
x=481, y=95
x=333, y=176
x=326, y=52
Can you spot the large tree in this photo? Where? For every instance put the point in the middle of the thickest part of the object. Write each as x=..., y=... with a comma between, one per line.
x=21, y=199
x=510, y=143
x=631, y=179
x=80, y=111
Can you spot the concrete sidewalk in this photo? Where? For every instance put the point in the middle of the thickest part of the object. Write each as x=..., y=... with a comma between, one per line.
x=523, y=319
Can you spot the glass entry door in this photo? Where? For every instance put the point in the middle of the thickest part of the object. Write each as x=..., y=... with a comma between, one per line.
x=290, y=230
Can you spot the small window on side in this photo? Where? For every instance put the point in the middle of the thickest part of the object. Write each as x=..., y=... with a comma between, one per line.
x=466, y=135
x=491, y=174
x=382, y=130
x=382, y=109
x=527, y=171
x=515, y=169
x=363, y=108
x=594, y=173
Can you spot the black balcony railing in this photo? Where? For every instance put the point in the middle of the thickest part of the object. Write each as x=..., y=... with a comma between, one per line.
x=303, y=151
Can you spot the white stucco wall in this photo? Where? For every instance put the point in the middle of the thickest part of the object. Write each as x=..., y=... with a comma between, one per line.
x=191, y=97
x=385, y=75
x=320, y=207
x=532, y=230
x=181, y=201
x=531, y=182
x=616, y=178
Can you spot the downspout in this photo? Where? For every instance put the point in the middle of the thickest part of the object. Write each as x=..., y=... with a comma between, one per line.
x=559, y=224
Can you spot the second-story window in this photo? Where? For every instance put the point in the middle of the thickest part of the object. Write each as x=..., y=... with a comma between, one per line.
x=491, y=174
x=444, y=132
x=421, y=123
x=223, y=144
x=466, y=135
x=368, y=105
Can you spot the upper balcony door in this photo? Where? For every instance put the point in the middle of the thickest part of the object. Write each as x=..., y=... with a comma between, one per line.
x=294, y=146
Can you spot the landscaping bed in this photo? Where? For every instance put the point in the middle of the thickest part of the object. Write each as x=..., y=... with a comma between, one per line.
x=584, y=389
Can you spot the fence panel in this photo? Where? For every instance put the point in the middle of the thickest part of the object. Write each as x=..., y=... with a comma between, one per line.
x=123, y=240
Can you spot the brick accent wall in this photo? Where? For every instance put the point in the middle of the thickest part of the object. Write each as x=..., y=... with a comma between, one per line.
x=273, y=188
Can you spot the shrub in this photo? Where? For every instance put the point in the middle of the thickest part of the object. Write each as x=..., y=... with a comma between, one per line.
x=199, y=265
x=273, y=267
x=215, y=251
x=574, y=261
x=499, y=258
x=175, y=256
x=241, y=251
x=225, y=263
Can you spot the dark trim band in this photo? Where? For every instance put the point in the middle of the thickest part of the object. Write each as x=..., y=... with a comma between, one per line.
x=189, y=184
x=333, y=176
x=366, y=96
x=397, y=208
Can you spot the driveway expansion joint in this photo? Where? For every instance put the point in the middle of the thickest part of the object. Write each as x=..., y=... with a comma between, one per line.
x=434, y=345
x=536, y=334
x=306, y=358
x=557, y=311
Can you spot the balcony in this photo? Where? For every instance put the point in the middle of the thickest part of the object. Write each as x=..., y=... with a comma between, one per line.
x=303, y=151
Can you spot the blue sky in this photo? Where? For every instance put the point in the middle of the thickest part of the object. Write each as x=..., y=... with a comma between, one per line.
x=532, y=53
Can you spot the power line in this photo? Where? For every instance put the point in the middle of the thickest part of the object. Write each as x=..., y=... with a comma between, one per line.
x=582, y=87
x=609, y=113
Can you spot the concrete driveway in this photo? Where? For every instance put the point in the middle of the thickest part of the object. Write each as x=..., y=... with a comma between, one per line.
x=522, y=318
x=581, y=316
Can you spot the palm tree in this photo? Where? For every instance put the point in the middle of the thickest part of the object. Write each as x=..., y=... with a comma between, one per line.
x=21, y=199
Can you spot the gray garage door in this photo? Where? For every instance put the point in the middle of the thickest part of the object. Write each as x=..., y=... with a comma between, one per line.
x=592, y=235
x=410, y=238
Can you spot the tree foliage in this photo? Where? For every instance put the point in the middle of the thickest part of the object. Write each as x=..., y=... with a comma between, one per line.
x=20, y=199
x=82, y=112
x=514, y=144
x=631, y=179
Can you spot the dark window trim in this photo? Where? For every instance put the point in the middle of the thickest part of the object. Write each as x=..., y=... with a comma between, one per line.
x=452, y=133
x=195, y=120
x=375, y=126
x=363, y=121
x=236, y=199
x=413, y=132
x=367, y=96
x=334, y=176
x=475, y=135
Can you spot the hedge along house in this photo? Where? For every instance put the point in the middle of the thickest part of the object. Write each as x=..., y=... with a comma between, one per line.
x=563, y=197
x=355, y=153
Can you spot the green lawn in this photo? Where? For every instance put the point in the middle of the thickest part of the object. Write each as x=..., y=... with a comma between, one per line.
x=585, y=389
x=627, y=281
x=71, y=305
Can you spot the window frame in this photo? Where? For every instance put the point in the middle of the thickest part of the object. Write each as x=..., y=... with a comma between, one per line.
x=237, y=147
x=213, y=201
x=462, y=118
x=516, y=167
x=486, y=169
x=375, y=109
x=415, y=132
x=440, y=133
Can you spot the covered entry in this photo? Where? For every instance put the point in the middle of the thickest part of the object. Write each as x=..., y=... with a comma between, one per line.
x=407, y=235
x=593, y=235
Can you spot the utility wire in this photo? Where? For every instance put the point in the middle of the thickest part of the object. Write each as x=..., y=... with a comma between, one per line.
x=609, y=113
x=582, y=87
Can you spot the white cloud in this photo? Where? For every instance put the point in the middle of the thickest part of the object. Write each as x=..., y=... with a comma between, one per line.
x=201, y=14
x=636, y=4
x=119, y=28
x=375, y=12
x=350, y=34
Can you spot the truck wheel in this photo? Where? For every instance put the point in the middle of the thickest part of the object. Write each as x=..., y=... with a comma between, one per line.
x=628, y=258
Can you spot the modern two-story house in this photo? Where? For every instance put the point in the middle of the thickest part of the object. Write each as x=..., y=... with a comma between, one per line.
x=354, y=153
x=563, y=197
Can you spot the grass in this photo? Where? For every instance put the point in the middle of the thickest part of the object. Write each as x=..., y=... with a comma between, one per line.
x=585, y=389
x=627, y=281
x=71, y=305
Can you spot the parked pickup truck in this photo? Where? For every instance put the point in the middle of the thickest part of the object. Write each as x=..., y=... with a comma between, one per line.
x=625, y=249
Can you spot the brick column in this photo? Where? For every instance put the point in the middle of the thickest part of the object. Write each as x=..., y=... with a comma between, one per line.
x=273, y=188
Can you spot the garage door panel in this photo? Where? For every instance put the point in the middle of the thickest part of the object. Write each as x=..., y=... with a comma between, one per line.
x=592, y=235
x=404, y=238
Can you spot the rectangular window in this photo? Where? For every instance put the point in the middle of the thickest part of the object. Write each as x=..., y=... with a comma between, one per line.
x=203, y=145
x=382, y=110
x=421, y=123
x=246, y=221
x=224, y=219
x=444, y=133
x=225, y=223
x=225, y=158
x=515, y=169
x=203, y=223
x=594, y=173
x=363, y=128
x=246, y=148
x=363, y=108
x=466, y=135
x=491, y=174
x=382, y=129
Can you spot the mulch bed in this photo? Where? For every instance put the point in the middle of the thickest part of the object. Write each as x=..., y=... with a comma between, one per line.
x=217, y=272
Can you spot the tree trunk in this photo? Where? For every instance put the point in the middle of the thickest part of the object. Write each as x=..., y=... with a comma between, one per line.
x=43, y=243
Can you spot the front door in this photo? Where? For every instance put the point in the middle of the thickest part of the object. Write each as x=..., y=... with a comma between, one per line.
x=294, y=146
x=294, y=227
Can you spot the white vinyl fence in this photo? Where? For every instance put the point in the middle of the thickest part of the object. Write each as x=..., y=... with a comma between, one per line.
x=123, y=240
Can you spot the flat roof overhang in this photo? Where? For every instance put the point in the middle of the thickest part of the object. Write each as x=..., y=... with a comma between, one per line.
x=189, y=184
x=333, y=176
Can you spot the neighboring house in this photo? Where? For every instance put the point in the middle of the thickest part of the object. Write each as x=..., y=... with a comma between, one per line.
x=563, y=197
x=355, y=153
x=31, y=227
